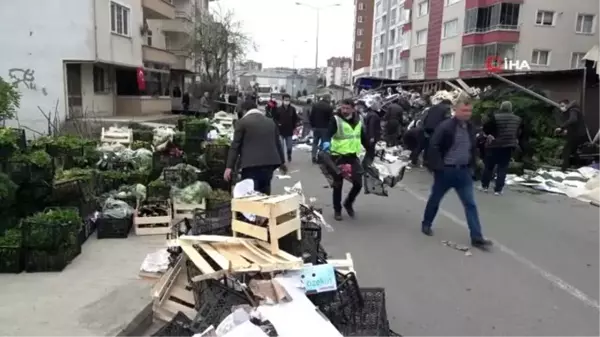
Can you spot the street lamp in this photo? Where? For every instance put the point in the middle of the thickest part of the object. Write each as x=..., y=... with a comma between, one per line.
x=317, y=9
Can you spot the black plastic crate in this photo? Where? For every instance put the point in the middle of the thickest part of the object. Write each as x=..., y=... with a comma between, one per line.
x=87, y=229
x=68, y=190
x=21, y=139
x=215, y=221
x=11, y=260
x=160, y=160
x=370, y=320
x=50, y=260
x=216, y=302
x=180, y=325
x=59, y=151
x=340, y=304
x=109, y=228
x=218, y=205
x=7, y=150
x=143, y=135
x=216, y=151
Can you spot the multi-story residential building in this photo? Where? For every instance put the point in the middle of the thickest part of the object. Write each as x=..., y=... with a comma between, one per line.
x=363, y=34
x=390, y=39
x=97, y=57
x=339, y=71
x=248, y=65
x=453, y=38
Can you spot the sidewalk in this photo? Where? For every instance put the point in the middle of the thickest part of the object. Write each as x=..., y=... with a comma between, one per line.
x=98, y=294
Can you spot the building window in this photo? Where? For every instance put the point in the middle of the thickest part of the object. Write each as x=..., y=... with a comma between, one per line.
x=540, y=57
x=361, y=6
x=390, y=59
x=451, y=2
x=359, y=19
x=421, y=37
x=100, y=80
x=419, y=66
x=390, y=73
x=544, y=18
x=392, y=36
x=447, y=62
x=377, y=25
x=450, y=28
x=501, y=16
x=358, y=44
x=423, y=8
x=585, y=23
x=357, y=58
x=474, y=57
x=359, y=32
x=119, y=19
x=393, y=16
x=577, y=60
x=149, y=38
x=378, y=8
x=382, y=40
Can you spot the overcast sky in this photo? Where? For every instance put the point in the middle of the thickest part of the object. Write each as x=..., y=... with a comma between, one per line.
x=270, y=21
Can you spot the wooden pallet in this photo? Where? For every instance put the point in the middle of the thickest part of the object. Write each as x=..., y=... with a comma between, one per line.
x=119, y=137
x=173, y=294
x=153, y=225
x=234, y=255
x=186, y=211
x=281, y=213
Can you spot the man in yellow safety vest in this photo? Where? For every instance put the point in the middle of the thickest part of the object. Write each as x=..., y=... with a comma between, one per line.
x=344, y=141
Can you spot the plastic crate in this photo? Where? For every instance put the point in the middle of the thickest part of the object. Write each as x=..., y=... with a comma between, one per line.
x=87, y=229
x=216, y=302
x=158, y=192
x=340, y=304
x=11, y=260
x=109, y=228
x=179, y=177
x=143, y=135
x=180, y=325
x=161, y=160
x=371, y=319
x=215, y=221
x=218, y=205
x=193, y=146
x=216, y=151
x=58, y=151
x=50, y=260
x=7, y=150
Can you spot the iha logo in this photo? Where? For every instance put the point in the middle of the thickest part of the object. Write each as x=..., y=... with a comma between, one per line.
x=496, y=64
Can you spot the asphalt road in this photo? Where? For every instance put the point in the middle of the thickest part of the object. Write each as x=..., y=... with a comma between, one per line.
x=541, y=278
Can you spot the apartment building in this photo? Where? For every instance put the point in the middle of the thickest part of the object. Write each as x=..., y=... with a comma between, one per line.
x=363, y=34
x=97, y=57
x=452, y=38
x=390, y=40
x=339, y=71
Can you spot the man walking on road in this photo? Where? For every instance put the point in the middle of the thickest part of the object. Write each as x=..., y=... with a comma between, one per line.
x=393, y=120
x=502, y=131
x=451, y=157
x=286, y=119
x=344, y=140
x=574, y=128
x=373, y=133
x=320, y=118
x=435, y=116
x=257, y=146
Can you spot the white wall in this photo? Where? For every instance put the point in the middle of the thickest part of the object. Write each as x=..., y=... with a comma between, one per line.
x=113, y=48
x=452, y=44
x=37, y=36
x=417, y=52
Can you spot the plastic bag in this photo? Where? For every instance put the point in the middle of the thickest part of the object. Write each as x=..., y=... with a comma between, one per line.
x=142, y=158
x=245, y=188
x=116, y=209
x=193, y=194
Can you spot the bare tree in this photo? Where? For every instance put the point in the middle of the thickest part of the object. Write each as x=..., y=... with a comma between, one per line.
x=217, y=39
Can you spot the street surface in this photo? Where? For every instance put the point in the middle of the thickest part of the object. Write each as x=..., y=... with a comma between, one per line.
x=541, y=277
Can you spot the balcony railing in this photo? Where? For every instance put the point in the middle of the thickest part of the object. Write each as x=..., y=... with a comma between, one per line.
x=491, y=29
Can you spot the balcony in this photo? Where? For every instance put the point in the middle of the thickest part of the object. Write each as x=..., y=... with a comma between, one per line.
x=184, y=61
x=179, y=25
x=496, y=23
x=158, y=9
x=156, y=55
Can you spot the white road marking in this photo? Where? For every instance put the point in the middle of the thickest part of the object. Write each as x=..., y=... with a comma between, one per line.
x=555, y=280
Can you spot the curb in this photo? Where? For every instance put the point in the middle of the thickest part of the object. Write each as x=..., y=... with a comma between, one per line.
x=140, y=324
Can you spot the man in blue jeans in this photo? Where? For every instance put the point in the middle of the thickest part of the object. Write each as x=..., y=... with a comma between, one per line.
x=321, y=116
x=286, y=119
x=451, y=157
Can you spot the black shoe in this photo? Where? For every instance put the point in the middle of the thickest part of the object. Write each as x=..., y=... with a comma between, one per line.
x=337, y=216
x=481, y=243
x=289, y=156
x=349, y=209
x=314, y=161
x=427, y=231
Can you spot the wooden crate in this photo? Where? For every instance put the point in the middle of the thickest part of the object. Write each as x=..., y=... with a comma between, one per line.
x=119, y=137
x=186, y=211
x=173, y=294
x=234, y=255
x=281, y=213
x=153, y=225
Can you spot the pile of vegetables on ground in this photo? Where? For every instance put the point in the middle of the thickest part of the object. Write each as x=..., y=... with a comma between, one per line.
x=56, y=191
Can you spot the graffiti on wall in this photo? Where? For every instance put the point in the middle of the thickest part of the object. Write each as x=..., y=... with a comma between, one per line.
x=25, y=78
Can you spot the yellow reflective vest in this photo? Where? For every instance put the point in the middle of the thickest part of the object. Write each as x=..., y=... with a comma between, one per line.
x=347, y=140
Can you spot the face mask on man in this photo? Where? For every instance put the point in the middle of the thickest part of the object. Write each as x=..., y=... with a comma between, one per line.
x=286, y=102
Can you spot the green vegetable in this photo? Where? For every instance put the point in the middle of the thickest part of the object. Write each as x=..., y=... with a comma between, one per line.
x=75, y=173
x=11, y=238
x=8, y=136
x=138, y=144
x=158, y=183
x=8, y=191
x=219, y=195
x=38, y=158
x=54, y=228
x=195, y=122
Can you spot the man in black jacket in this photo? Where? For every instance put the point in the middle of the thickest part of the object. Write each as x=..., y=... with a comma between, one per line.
x=435, y=116
x=256, y=144
x=574, y=129
x=372, y=134
x=451, y=157
x=321, y=116
x=502, y=131
x=393, y=120
x=286, y=119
